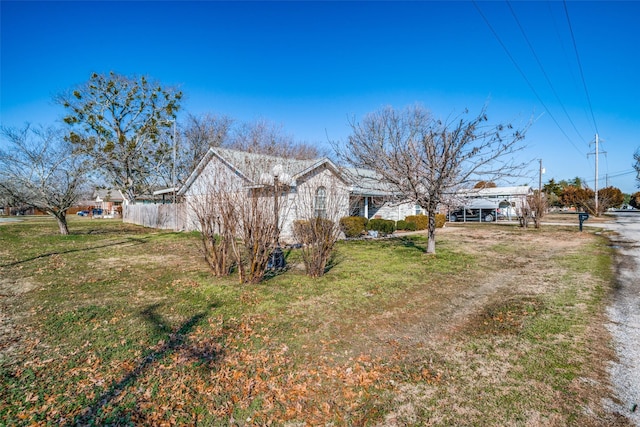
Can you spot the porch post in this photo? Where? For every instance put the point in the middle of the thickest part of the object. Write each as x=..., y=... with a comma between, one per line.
x=366, y=207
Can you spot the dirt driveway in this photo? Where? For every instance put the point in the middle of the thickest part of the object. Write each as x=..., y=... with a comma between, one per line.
x=624, y=314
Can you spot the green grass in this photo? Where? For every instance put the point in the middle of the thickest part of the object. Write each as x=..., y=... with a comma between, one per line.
x=119, y=324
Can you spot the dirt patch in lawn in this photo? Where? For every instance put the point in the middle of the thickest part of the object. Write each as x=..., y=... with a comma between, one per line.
x=449, y=329
x=506, y=266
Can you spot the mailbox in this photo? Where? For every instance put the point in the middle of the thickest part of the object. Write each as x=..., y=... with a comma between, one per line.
x=582, y=217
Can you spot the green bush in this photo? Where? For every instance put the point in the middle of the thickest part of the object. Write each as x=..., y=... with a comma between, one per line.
x=384, y=226
x=440, y=220
x=404, y=225
x=421, y=221
x=353, y=226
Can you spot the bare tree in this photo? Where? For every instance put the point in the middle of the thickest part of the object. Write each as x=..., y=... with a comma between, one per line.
x=636, y=165
x=264, y=137
x=40, y=170
x=419, y=158
x=319, y=206
x=197, y=135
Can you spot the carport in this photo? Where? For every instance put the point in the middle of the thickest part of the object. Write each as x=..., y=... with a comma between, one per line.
x=488, y=204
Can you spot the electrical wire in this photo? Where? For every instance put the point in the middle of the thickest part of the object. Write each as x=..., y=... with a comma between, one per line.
x=535, y=55
x=495, y=34
x=575, y=48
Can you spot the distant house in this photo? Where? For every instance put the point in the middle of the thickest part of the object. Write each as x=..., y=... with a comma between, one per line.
x=488, y=204
x=109, y=200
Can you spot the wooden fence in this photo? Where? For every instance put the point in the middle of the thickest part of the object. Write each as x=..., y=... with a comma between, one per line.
x=163, y=216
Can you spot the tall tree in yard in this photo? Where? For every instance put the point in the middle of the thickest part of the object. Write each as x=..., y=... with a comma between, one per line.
x=124, y=124
x=39, y=169
x=421, y=158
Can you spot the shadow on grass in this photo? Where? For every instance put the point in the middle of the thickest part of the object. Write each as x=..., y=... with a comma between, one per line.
x=411, y=244
x=129, y=240
x=334, y=260
x=173, y=342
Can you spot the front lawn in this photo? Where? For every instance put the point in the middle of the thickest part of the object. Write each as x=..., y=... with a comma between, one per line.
x=118, y=324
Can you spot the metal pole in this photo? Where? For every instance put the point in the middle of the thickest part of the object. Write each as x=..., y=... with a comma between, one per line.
x=275, y=205
x=596, y=183
x=173, y=179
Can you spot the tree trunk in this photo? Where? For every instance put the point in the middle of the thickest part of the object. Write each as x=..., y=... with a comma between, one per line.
x=431, y=243
x=61, y=217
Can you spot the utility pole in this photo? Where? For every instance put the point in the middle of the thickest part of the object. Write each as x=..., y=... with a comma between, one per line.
x=540, y=177
x=596, y=183
x=597, y=153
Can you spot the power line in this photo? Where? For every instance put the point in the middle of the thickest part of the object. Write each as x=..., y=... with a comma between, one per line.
x=495, y=34
x=619, y=174
x=575, y=48
x=535, y=55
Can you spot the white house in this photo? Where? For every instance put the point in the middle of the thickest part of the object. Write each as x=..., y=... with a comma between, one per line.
x=314, y=188
x=307, y=188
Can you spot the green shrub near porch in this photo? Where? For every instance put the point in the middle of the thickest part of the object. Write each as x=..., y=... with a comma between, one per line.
x=353, y=226
x=384, y=226
x=405, y=225
x=421, y=221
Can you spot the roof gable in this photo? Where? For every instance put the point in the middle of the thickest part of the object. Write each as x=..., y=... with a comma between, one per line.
x=258, y=169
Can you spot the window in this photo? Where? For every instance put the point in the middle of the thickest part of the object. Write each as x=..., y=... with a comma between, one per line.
x=321, y=202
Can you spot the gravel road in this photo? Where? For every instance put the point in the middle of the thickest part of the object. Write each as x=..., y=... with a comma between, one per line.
x=624, y=315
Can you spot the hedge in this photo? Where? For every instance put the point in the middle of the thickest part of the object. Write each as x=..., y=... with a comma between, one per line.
x=404, y=225
x=384, y=226
x=421, y=221
x=353, y=226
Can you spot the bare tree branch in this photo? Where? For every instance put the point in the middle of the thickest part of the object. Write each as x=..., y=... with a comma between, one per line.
x=421, y=159
x=40, y=170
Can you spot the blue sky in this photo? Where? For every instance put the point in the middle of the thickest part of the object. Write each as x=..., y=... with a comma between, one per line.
x=311, y=66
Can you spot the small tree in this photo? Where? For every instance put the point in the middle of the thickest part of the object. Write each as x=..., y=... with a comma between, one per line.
x=609, y=197
x=419, y=159
x=40, y=170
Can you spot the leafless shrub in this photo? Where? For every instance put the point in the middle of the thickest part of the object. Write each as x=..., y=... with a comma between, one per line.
x=214, y=209
x=524, y=215
x=537, y=207
x=259, y=232
x=319, y=207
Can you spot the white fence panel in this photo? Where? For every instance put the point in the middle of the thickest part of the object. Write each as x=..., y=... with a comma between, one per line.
x=162, y=216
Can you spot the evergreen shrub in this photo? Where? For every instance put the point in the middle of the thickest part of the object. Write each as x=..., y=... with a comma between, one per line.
x=353, y=226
